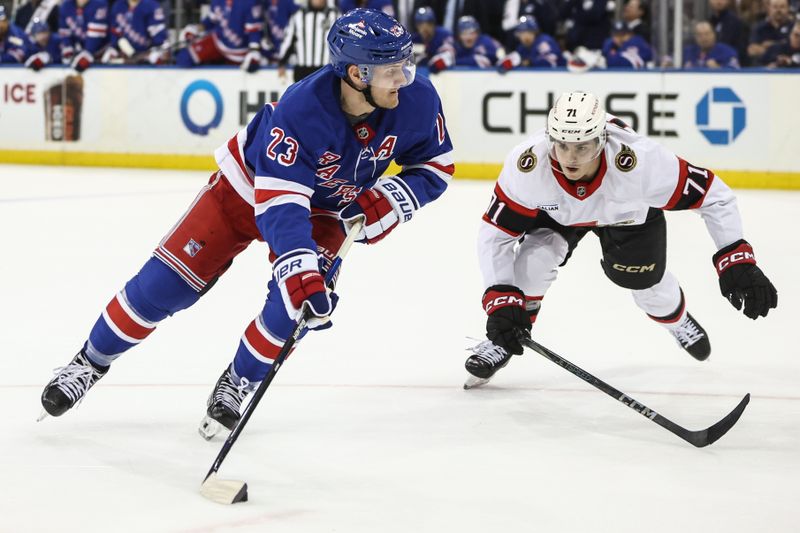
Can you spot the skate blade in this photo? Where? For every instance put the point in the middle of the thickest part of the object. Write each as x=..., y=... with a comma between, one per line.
x=208, y=428
x=475, y=382
x=42, y=416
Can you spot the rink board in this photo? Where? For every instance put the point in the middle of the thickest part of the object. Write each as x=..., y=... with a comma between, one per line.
x=733, y=122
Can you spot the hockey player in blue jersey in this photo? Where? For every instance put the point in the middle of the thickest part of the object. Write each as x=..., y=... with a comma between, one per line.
x=138, y=32
x=473, y=48
x=45, y=48
x=13, y=41
x=83, y=29
x=535, y=49
x=298, y=173
x=233, y=36
x=434, y=45
x=625, y=49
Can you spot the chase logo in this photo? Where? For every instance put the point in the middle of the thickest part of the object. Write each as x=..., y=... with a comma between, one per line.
x=729, y=112
x=186, y=116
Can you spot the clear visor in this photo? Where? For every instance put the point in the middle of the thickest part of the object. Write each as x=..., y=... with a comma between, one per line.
x=574, y=154
x=389, y=76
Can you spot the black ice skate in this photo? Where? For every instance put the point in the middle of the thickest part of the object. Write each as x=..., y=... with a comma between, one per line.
x=70, y=385
x=224, y=404
x=486, y=359
x=692, y=337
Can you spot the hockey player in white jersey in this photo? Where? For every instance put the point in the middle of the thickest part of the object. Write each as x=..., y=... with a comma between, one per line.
x=589, y=172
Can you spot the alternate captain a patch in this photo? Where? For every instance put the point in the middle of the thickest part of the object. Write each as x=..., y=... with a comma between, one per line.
x=527, y=160
x=626, y=159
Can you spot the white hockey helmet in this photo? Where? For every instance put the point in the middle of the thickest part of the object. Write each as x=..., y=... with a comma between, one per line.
x=577, y=118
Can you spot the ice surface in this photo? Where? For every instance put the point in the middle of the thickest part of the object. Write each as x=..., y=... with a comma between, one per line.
x=366, y=428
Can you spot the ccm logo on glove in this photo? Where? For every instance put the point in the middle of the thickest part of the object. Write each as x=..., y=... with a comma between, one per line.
x=493, y=302
x=741, y=254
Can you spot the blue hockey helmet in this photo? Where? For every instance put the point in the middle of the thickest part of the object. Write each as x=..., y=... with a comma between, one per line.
x=527, y=23
x=468, y=23
x=39, y=26
x=424, y=14
x=370, y=39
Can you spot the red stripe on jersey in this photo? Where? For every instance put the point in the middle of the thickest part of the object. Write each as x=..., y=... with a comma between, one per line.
x=573, y=187
x=683, y=188
x=233, y=148
x=260, y=343
x=125, y=323
x=265, y=195
x=448, y=169
x=514, y=206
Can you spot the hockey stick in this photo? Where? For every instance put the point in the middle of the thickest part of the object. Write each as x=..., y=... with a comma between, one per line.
x=699, y=438
x=234, y=491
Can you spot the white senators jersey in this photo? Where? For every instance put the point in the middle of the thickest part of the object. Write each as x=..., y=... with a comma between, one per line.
x=635, y=174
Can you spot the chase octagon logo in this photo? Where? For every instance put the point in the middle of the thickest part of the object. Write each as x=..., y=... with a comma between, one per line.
x=729, y=115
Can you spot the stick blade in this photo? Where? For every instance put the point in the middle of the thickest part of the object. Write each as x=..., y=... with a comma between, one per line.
x=714, y=433
x=224, y=491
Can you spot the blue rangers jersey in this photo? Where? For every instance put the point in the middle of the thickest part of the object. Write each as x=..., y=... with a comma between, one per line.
x=544, y=52
x=634, y=53
x=82, y=28
x=725, y=56
x=13, y=45
x=236, y=26
x=52, y=50
x=142, y=25
x=441, y=43
x=303, y=154
x=483, y=54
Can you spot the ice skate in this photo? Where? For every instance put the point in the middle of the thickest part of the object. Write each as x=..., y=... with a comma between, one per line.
x=692, y=337
x=224, y=404
x=70, y=385
x=486, y=359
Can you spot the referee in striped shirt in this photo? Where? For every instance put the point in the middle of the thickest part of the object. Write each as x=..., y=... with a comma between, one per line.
x=305, y=38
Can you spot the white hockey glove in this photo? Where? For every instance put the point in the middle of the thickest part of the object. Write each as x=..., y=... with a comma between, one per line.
x=302, y=286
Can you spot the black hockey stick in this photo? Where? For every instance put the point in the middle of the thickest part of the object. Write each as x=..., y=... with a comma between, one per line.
x=699, y=438
x=234, y=491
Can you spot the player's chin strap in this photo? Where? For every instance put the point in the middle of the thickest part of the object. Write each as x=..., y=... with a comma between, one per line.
x=366, y=92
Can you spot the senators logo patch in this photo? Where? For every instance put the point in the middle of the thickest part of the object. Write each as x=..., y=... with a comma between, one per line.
x=626, y=159
x=527, y=160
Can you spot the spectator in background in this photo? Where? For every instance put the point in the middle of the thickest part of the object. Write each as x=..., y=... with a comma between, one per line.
x=587, y=22
x=624, y=49
x=488, y=13
x=43, y=10
x=233, y=32
x=13, y=41
x=536, y=49
x=44, y=46
x=306, y=38
x=473, y=48
x=434, y=45
x=635, y=14
x=772, y=30
x=707, y=52
x=379, y=5
x=729, y=28
x=543, y=11
x=751, y=11
x=785, y=54
x=138, y=33
x=83, y=30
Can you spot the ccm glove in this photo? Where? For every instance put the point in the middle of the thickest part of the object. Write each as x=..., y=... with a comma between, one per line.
x=383, y=207
x=742, y=282
x=302, y=286
x=505, y=305
x=82, y=61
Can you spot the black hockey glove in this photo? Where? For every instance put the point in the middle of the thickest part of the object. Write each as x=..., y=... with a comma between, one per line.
x=742, y=282
x=505, y=305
